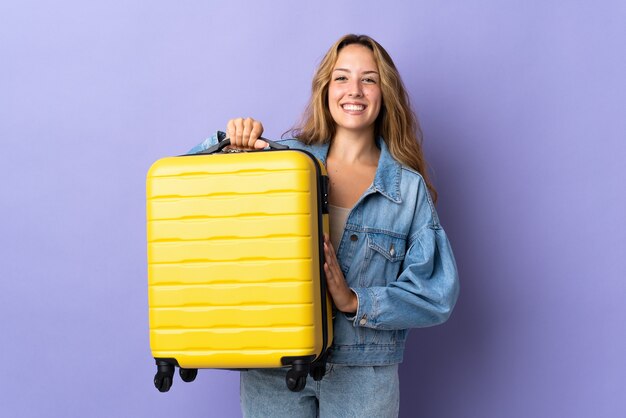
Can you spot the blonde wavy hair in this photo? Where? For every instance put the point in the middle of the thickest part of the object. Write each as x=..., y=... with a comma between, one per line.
x=396, y=122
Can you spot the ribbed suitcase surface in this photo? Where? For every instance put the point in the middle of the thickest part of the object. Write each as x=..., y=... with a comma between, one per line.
x=234, y=259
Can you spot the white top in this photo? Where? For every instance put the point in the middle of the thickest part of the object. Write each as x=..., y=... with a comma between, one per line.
x=338, y=218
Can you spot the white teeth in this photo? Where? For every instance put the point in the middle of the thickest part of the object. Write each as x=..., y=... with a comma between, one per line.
x=353, y=107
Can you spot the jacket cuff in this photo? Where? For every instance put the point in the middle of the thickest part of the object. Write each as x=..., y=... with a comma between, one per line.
x=218, y=136
x=365, y=311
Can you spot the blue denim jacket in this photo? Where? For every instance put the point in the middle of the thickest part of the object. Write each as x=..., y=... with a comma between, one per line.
x=395, y=256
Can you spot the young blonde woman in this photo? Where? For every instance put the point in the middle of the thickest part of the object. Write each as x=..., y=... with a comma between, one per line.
x=389, y=265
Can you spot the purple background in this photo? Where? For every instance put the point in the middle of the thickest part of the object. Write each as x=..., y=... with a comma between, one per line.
x=523, y=108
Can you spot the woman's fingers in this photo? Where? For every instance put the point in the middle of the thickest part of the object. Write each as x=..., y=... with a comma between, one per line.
x=234, y=131
x=231, y=129
x=344, y=298
x=244, y=133
x=255, y=133
x=247, y=139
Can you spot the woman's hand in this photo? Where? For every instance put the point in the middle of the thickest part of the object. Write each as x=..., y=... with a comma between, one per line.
x=245, y=133
x=344, y=298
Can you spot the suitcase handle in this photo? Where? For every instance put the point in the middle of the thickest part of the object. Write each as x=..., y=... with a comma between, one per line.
x=226, y=142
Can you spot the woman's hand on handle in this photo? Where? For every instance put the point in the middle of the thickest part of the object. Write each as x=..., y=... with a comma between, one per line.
x=245, y=133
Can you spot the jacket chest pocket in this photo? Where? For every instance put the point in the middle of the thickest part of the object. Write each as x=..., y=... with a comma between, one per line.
x=392, y=248
x=385, y=253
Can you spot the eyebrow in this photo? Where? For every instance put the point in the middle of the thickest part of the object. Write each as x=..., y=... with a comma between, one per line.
x=347, y=71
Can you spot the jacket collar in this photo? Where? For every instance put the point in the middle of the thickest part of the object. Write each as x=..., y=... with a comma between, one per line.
x=388, y=173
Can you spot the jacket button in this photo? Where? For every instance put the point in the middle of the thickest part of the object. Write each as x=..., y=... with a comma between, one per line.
x=363, y=321
x=353, y=237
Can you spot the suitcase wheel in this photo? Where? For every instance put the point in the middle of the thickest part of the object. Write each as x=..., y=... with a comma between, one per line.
x=318, y=371
x=188, y=375
x=164, y=377
x=318, y=368
x=296, y=376
x=163, y=381
x=296, y=381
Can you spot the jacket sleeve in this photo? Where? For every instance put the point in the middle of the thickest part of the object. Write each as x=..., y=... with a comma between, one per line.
x=426, y=289
x=209, y=142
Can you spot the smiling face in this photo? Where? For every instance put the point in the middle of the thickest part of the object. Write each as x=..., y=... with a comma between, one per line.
x=354, y=95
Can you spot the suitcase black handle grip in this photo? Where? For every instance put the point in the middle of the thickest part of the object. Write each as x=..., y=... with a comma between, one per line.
x=226, y=142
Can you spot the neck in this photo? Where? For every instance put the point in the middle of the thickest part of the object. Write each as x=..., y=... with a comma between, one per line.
x=354, y=147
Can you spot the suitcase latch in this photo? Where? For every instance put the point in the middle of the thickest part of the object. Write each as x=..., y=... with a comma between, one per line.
x=324, y=185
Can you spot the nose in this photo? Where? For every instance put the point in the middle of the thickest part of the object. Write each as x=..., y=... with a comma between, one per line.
x=355, y=89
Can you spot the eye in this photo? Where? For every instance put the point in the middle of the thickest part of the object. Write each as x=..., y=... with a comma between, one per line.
x=341, y=78
x=369, y=80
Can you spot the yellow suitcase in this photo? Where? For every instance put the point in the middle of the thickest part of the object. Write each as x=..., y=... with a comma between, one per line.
x=235, y=263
